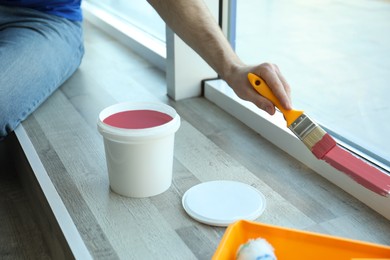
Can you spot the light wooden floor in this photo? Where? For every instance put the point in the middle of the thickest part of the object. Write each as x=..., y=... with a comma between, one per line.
x=210, y=144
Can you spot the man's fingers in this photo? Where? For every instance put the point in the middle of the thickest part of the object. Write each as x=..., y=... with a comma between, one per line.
x=287, y=87
x=277, y=84
x=262, y=102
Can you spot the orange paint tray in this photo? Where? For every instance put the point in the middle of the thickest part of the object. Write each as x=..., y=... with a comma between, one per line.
x=295, y=244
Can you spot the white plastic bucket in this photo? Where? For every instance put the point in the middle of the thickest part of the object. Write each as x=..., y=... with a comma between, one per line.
x=139, y=161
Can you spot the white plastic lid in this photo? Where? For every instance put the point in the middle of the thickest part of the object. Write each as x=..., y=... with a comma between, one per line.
x=220, y=203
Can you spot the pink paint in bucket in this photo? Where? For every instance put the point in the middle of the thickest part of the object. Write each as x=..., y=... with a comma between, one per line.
x=139, y=142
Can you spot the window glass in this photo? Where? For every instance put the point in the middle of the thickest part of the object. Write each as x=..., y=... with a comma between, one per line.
x=336, y=57
x=137, y=13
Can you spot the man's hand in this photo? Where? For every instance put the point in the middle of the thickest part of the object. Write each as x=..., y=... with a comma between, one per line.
x=238, y=80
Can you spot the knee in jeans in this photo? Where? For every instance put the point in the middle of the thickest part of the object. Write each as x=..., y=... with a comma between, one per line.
x=8, y=122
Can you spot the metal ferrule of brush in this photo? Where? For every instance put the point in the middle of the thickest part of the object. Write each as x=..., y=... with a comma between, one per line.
x=307, y=130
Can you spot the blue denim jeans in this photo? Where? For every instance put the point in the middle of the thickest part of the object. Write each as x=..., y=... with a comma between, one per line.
x=38, y=52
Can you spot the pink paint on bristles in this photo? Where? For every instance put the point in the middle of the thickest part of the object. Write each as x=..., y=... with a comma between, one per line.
x=322, y=147
x=362, y=172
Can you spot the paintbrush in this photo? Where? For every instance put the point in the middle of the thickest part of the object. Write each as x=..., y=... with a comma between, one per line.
x=324, y=147
x=309, y=132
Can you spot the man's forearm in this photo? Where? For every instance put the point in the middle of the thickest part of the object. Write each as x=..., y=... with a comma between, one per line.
x=192, y=22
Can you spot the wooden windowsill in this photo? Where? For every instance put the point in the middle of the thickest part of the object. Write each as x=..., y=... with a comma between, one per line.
x=210, y=145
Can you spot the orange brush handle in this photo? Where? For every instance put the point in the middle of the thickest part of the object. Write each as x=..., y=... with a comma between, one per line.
x=262, y=88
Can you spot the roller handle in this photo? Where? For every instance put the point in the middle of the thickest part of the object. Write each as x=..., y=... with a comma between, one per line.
x=262, y=88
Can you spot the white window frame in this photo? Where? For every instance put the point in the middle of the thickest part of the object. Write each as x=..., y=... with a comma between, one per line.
x=184, y=82
x=273, y=128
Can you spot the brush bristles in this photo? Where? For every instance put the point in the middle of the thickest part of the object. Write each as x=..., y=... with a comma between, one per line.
x=306, y=129
x=314, y=137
